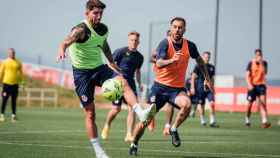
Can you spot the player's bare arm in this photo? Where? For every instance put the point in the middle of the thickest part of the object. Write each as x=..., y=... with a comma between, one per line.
x=248, y=80
x=138, y=78
x=74, y=36
x=193, y=78
x=108, y=53
x=165, y=62
x=203, y=68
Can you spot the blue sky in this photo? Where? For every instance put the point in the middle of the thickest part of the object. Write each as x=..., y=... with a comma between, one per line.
x=35, y=28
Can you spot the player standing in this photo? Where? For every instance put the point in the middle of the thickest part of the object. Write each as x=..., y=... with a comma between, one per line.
x=10, y=75
x=256, y=81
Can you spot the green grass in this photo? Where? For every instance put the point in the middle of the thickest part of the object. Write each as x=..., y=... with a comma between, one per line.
x=60, y=133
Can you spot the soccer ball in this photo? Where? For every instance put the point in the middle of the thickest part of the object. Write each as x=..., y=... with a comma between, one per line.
x=112, y=89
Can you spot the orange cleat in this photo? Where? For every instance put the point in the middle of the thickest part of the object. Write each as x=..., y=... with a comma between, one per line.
x=266, y=125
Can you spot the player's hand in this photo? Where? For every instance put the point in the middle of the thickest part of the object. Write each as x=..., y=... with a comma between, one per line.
x=250, y=87
x=115, y=68
x=192, y=91
x=60, y=56
x=176, y=57
x=210, y=85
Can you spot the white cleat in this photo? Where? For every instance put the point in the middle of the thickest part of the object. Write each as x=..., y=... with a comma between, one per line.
x=102, y=155
x=148, y=113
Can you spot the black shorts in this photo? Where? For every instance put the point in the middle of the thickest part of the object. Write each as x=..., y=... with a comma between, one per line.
x=10, y=90
x=161, y=94
x=257, y=91
x=85, y=81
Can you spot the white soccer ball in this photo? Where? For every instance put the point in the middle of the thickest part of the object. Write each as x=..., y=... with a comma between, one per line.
x=112, y=89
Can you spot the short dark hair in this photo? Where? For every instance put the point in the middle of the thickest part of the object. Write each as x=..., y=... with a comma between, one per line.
x=258, y=50
x=207, y=52
x=137, y=34
x=95, y=4
x=178, y=19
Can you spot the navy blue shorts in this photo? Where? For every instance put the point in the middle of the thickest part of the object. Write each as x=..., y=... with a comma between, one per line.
x=161, y=94
x=257, y=91
x=201, y=96
x=85, y=81
x=132, y=85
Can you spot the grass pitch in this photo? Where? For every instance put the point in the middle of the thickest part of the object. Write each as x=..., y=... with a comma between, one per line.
x=60, y=133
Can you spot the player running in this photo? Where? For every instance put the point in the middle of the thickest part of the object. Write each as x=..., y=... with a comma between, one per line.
x=173, y=54
x=129, y=60
x=86, y=42
x=256, y=81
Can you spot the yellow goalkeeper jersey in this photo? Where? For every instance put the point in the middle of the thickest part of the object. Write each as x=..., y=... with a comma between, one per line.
x=11, y=71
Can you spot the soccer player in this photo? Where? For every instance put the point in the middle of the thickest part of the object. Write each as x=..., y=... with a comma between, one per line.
x=202, y=92
x=256, y=81
x=173, y=54
x=10, y=75
x=87, y=41
x=129, y=60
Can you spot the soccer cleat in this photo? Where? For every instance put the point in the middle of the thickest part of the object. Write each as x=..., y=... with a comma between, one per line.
x=214, y=125
x=13, y=118
x=151, y=126
x=176, y=141
x=165, y=131
x=105, y=132
x=128, y=138
x=266, y=125
x=102, y=155
x=2, y=118
x=248, y=124
x=203, y=124
x=148, y=113
x=133, y=150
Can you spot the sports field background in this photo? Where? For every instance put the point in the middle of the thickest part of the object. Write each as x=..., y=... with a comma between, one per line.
x=60, y=133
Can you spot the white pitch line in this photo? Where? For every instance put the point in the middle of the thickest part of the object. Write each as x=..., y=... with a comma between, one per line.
x=43, y=132
x=144, y=150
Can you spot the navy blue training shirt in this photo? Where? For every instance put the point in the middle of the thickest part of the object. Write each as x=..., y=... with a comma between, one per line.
x=128, y=61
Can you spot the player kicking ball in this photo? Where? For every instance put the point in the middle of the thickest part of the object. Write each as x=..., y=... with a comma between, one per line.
x=86, y=42
x=173, y=54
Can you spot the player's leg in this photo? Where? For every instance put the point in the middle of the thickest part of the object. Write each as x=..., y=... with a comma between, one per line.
x=168, y=119
x=184, y=103
x=92, y=130
x=201, y=111
x=14, y=95
x=116, y=108
x=130, y=122
x=251, y=97
x=131, y=100
x=84, y=87
x=211, y=98
x=155, y=97
x=263, y=108
x=5, y=97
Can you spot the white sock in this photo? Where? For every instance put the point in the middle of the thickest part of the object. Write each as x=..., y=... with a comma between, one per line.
x=137, y=108
x=96, y=146
x=264, y=120
x=247, y=119
x=202, y=119
x=167, y=125
x=173, y=128
x=212, y=119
